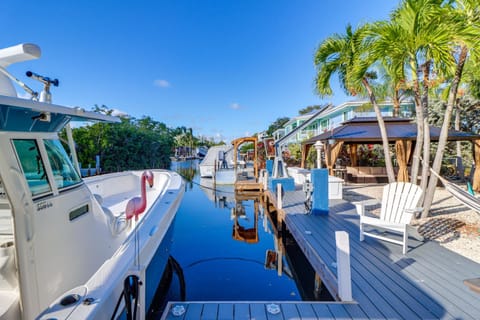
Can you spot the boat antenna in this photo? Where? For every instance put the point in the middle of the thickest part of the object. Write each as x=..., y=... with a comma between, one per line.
x=45, y=95
x=33, y=94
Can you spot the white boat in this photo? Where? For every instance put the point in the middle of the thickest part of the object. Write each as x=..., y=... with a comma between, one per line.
x=218, y=159
x=201, y=151
x=72, y=248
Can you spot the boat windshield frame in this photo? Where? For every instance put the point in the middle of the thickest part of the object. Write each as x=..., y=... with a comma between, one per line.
x=45, y=165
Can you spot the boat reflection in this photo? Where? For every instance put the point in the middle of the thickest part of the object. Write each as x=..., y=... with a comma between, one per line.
x=222, y=196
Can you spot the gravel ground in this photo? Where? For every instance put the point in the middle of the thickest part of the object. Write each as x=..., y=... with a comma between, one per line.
x=451, y=223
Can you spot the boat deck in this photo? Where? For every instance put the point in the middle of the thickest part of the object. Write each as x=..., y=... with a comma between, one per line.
x=426, y=283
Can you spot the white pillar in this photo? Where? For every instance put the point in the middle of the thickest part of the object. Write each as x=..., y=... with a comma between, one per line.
x=319, y=146
x=279, y=196
x=343, y=266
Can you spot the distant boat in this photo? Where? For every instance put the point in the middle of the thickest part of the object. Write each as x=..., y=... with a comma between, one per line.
x=218, y=164
x=73, y=248
x=202, y=151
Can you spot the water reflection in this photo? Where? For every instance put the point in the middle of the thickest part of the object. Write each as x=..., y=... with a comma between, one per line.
x=187, y=169
x=228, y=247
x=238, y=212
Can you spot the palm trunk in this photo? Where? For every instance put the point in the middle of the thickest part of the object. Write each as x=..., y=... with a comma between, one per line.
x=442, y=140
x=460, y=167
x=426, y=126
x=396, y=103
x=383, y=132
x=420, y=133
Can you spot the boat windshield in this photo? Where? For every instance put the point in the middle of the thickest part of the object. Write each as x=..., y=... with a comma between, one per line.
x=63, y=171
x=33, y=165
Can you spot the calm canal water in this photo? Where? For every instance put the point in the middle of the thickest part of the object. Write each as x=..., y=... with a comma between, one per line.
x=224, y=249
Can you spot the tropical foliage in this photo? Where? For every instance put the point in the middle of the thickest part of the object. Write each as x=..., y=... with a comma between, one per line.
x=423, y=48
x=277, y=124
x=131, y=144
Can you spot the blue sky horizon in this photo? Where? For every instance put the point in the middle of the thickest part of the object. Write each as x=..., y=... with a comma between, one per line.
x=226, y=69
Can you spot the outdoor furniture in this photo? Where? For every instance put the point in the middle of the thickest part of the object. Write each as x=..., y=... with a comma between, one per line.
x=366, y=174
x=398, y=206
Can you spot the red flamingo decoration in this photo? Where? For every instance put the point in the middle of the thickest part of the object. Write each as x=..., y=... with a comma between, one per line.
x=137, y=205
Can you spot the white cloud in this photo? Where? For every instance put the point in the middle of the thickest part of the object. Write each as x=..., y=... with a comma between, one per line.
x=161, y=83
x=235, y=106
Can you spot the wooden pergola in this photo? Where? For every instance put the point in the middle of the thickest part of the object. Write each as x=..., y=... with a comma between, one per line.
x=237, y=142
x=400, y=131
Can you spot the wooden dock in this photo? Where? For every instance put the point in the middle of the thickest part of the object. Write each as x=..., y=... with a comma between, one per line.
x=248, y=186
x=238, y=310
x=426, y=283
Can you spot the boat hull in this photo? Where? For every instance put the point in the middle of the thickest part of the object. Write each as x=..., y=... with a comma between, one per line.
x=99, y=295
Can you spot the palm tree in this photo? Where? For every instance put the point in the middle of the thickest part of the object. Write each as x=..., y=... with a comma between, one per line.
x=342, y=55
x=421, y=46
x=464, y=22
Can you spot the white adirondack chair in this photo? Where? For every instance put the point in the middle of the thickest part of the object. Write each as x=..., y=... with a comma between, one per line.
x=399, y=203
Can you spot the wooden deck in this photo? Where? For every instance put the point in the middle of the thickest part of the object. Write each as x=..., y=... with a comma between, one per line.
x=248, y=186
x=426, y=283
x=239, y=310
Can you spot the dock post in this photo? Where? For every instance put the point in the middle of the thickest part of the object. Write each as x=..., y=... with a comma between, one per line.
x=343, y=266
x=317, y=286
x=265, y=179
x=279, y=196
x=320, y=191
x=214, y=174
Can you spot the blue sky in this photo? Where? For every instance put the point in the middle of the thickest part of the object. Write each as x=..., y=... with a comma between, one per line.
x=224, y=68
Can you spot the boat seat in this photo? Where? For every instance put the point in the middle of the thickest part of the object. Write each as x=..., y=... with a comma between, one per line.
x=117, y=220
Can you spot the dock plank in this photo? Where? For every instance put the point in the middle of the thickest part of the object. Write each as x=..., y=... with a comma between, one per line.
x=322, y=311
x=241, y=311
x=306, y=311
x=339, y=312
x=225, y=311
x=210, y=311
x=355, y=311
x=194, y=311
x=289, y=311
x=257, y=311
